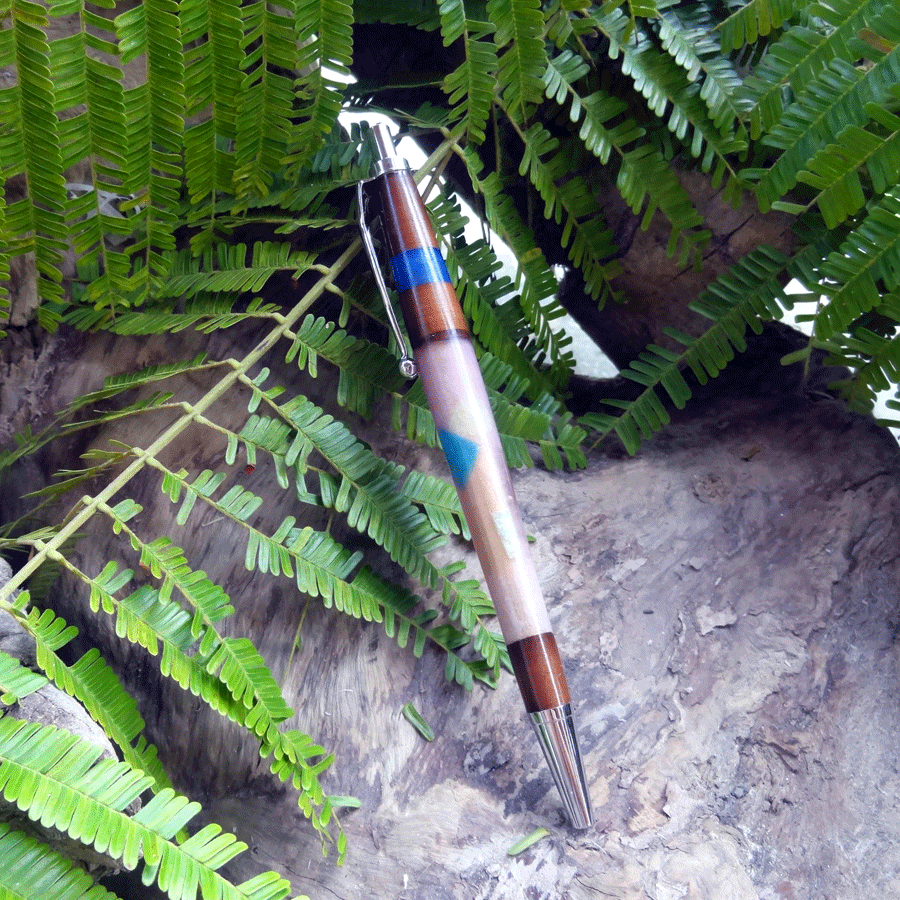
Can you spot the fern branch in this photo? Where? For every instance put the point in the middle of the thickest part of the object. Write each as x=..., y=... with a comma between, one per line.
x=698, y=53
x=31, y=145
x=800, y=57
x=266, y=96
x=154, y=139
x=366, y=491
x=213, y=35
x=92, y=94
x=755, y=19
x=839, y=97
x=470, y=87
x=519, y=40
x=321, y=568
x=4, y=257
x=869, y=255
x=90, y=681
x=57, y=779
x=569, y=201
x=88, y=507
x=835, y=169
x=17, y=682
x=29, y=869
x=325, y=34
x=873, y=358
x=674, y=97
x=643, y=172
x=497, y=316
x=228, y=673
x=750, y=292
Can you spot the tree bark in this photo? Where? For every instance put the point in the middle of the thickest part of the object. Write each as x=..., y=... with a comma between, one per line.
x=725, y=606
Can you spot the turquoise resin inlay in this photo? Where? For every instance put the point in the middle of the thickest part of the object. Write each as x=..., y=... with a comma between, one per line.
x=422, y=265
x=461, y=454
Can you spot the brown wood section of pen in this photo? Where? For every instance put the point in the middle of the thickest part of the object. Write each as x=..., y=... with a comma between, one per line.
x=539, y=671
x=431, y=310
x=405, y=221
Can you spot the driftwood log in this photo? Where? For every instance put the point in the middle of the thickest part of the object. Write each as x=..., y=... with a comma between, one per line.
x=726, y=605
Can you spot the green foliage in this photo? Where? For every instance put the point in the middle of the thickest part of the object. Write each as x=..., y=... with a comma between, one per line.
x=59, y=780
x=27, y=863
x=188, y=156
x=16, y=681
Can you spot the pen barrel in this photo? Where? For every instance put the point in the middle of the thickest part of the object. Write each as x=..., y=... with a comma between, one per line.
x=458, y=399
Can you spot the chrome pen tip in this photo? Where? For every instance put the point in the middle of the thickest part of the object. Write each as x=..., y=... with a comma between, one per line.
x=555, y=729
x=382, y=142
x=384, y=155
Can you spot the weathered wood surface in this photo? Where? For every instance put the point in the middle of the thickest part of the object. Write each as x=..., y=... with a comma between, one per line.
x=726, y=606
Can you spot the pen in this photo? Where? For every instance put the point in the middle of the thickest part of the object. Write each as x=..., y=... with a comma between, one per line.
x=444, y=358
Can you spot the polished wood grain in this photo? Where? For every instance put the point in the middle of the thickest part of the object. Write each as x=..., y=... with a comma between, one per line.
x=432, y=312
x=539, y=671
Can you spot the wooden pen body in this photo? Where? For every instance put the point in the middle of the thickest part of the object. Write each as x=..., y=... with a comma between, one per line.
x=458, y=399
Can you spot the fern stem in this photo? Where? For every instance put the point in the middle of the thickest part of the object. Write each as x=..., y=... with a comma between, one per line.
x=89, y=505
x=450, y=591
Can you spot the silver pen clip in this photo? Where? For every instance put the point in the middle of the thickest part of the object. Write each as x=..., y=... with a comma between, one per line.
x=407, y=363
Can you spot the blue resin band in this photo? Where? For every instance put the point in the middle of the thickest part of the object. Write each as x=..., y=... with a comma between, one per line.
x=422, y=265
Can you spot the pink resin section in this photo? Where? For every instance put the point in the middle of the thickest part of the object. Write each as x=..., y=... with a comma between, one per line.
x=458, y=400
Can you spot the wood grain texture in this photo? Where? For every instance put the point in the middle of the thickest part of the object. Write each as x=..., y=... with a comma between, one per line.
x=539, y=671
x=404, y=232
x=432, y=313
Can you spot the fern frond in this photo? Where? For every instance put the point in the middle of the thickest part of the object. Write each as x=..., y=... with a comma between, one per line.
x=470, y=87
x=266, y=97
x=757, y=18
x=643, y=172
x=31, y=145
x=91, y=93
x=519, y=40
x=325, y=35
x=672, y=92
x=399, y=12
x=749, y=293
x=366, y=485
x=539, y=288
x=29, y=868
x=367, y=371
x=227, y=270
x=160, y=625
x=835, y=169
x=439, y=501
x=852, y=275
x=57, y=779
x=213, y=35
x=698, y=53
x=801, y=56
x=16, y=681
x=319, y=565
x=874, y=360
x=127, y=381
x=205, y=314
x=154, y=142
x=569, y=201
x=496, y=314
x=4, y=257
x=228, y=673
x=838, y=98
x=675, y=98
x=90, y=681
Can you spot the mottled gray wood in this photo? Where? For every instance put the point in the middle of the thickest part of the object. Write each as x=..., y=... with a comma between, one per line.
x=726, y=606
